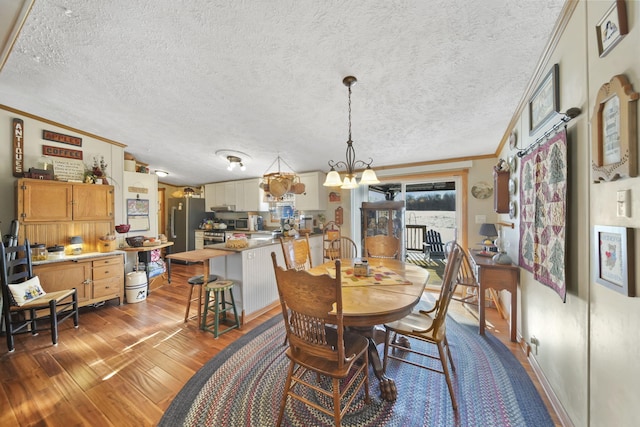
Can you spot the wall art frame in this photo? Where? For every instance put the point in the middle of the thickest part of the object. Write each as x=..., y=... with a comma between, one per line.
x=612, y=27
x=545, y=101
x=614, y=131
x=613, y=250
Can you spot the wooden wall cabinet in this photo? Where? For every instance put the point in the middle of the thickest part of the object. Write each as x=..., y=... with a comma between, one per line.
x=95, y=279
x=501, y=191
x=52, y=201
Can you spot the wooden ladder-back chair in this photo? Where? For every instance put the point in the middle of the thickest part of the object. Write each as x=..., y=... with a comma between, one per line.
x=343, y=248
x=318, y=342
x=382, y=246
x=17, y=274
x=429, y=328
x=297, y=253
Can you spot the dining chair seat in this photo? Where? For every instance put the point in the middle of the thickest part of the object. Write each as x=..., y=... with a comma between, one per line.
x=217, y=304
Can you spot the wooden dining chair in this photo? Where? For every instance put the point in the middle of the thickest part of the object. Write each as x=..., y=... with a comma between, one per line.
x=382, y=246
x=297, y=253
x=318, y=341
x=428, y=326
x=342, y=247
x=24, y=302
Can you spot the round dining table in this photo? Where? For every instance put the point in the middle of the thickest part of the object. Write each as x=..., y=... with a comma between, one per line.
x=368, y=301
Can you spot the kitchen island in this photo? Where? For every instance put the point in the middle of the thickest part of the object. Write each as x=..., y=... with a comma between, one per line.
x=251, y=269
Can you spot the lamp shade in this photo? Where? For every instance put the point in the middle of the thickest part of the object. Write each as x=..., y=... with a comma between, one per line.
x=488, y=230
x=333, y=179
x=369, y=177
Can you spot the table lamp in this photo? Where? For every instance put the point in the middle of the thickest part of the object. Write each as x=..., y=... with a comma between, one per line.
x=76, y=245
x=489, y=231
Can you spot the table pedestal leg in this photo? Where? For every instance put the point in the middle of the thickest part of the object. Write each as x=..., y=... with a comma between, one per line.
x=388, y=390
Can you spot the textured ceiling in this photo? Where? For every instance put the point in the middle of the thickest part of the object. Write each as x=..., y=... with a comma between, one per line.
x=176, y=81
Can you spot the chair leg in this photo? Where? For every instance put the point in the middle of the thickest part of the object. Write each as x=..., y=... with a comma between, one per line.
x=9, y=332
x=445, y=369
x=337, y=414
x=76, y=315
x=54, y=321
x=285, y=394
x=387, y=336
x=446, y=343
x=34, y=322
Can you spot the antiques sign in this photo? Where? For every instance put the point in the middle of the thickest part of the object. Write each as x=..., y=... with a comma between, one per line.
x=58, y=137
x=18, y=147
x=67, y=153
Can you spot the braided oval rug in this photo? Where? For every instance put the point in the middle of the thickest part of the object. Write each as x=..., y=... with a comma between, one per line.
x=242, y=386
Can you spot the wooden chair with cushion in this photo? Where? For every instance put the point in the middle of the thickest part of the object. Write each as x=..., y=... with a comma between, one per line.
x=428, y=326
x=343, y=248
x=23, y=298
x=318, y=341
x=297, y=253
x=382, y=246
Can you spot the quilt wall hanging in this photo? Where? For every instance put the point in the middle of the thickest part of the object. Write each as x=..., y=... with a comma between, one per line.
x=543, y=213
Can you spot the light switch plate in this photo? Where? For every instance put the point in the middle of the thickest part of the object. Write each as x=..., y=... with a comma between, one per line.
x=623, y=203
x=481, y=219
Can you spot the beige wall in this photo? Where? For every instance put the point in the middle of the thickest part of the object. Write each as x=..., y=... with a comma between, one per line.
x=587, y=348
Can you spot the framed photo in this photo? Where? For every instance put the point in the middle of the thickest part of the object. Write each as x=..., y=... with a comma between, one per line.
x=545, y=102
x=614, y=131
x=612, y=27
x=613, y=251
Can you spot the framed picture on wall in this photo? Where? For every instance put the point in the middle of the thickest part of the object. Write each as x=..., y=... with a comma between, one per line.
x=612, y=27
x=545, y=101
x=613, y=251
x=614, y=131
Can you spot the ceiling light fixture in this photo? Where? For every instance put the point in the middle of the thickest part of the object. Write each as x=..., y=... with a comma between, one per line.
x=188, y=192
x=161, y=173
x=349, y=182
x=235, y=161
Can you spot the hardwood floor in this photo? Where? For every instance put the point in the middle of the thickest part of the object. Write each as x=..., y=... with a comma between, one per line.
x=125, y=363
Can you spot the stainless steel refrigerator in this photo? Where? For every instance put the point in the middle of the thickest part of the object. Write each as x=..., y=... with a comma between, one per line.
x=185, y=215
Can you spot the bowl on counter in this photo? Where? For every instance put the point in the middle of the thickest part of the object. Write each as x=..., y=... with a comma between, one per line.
x=123, y=228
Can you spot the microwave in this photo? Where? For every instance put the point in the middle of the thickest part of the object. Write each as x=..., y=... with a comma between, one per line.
x=242, y=224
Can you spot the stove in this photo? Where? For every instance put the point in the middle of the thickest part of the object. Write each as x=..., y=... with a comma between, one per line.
x=212, y=237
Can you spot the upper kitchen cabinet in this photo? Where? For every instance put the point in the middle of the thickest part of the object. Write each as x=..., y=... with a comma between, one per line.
x=314, y=197
x=45, y=201
x=244, y=195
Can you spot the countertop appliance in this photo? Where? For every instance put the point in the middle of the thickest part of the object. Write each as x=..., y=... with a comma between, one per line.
x=242, y=224
x=185, y=215
x=211, y=237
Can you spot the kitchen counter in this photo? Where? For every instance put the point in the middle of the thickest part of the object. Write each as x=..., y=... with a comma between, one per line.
x=253, y=244
x=81, y=257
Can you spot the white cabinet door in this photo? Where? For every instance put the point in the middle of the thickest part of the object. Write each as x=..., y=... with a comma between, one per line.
x=314, y=197
x=219, y=194
x=230, y=193
x=253, y=196
x=209, y=196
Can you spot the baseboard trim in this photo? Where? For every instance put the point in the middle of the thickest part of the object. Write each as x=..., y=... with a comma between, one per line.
x=553, y=399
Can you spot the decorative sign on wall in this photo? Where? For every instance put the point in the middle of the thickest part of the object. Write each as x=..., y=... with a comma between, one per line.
x=68, y=170
x=18, y=147
x=67, y=153
x=58, y=137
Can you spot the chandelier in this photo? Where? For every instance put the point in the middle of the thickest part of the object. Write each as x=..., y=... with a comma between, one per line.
x=349, y=182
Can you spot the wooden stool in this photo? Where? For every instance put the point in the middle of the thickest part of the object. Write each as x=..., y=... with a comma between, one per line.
x=219, y=307
x=197, y=281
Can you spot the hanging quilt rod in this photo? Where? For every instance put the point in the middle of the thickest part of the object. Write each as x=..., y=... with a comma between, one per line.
x=571, y=113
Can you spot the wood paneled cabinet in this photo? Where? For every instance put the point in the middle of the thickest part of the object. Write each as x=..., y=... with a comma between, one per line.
x=383, y=218
x=95, y=279
x=49, y=201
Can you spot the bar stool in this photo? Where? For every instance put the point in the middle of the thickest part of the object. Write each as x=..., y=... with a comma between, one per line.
x=197, y=281
x=219, y=307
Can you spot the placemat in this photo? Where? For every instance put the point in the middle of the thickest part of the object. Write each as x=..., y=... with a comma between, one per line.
x=379, y=276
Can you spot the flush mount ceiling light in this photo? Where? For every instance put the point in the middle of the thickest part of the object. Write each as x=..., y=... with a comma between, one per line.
x=349, y=182
x=234, y=159
x=188, y=192
x=161, y=173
